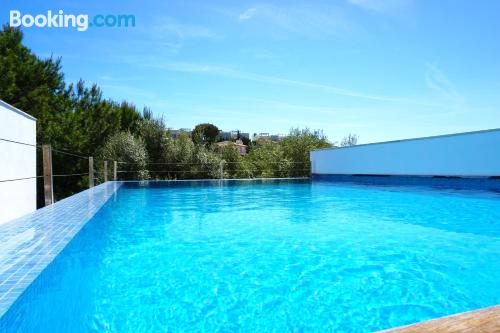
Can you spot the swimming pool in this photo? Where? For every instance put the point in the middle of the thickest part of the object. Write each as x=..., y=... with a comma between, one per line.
x=269, y=256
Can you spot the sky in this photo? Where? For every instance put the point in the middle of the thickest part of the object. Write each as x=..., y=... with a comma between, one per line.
x=383, y=70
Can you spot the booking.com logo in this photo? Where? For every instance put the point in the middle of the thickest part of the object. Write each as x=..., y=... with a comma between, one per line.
x=61, y=20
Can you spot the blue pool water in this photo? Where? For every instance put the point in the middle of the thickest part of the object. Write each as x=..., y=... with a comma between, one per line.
x=274, y=257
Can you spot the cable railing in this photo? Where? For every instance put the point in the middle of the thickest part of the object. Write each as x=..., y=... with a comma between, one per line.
x=19, y=143
x=215, y=169
x=197, y=163
x=189, y=171
x=16, y=179
x=129, y=170
x=47, y=166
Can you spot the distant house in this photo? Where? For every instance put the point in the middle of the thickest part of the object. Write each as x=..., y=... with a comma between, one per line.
x=277, y=137
x=174, y=134
x=232, y=135
x=224, y=135
x=262, y=136
x=238, y=145
x=270, y=137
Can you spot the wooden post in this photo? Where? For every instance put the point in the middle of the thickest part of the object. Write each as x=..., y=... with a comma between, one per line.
x=115, y=171
x=105, y=171
x=48, y=188
x=91, y=171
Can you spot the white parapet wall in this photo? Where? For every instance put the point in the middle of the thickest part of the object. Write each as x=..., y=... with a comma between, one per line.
x=17, y=161
x=472, y=154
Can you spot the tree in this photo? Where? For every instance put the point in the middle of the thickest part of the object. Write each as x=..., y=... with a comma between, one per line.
x=74, y=118
x=189, y=161
x=234, y=163
x=33, y=85
x=267, y=159
x=205, y=134
x=297, y=146
x=154, y=133
x=37, y=87
x=77, y=118
x=129, y=117
x=130, y=152
x=350, y=140
x=147, y=113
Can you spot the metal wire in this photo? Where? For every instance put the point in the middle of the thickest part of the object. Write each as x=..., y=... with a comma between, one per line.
x=71, y=174
x=96, y=173
x=61, y=151
x=197, y=163
x=12, y=180
x=35, y=177
x=196, y=171
x=70, y=154
x=20, y=143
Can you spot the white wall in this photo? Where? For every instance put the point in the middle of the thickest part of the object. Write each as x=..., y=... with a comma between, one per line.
x=464, y=154
x=17, y=198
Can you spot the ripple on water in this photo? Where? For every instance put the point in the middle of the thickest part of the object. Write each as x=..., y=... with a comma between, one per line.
x=269, y=258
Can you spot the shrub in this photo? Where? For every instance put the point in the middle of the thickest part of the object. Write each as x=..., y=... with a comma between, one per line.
x=130, y=153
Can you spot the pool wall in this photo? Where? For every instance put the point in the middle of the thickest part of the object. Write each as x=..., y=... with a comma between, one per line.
x=485, y=184
x=29, y=243
x=472, y=154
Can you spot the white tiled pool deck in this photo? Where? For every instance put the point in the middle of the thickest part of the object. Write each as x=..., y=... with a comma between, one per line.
x=28, y=244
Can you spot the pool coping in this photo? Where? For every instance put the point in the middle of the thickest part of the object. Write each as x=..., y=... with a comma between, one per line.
x=29, y=243
x=212, y=180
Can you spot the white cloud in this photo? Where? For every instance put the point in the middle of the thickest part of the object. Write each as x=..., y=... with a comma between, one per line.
x=438, y=82
x=241, y=75
x=306, y=20
x=247, y=14
x=172, y=35
x=169, y=27
x=383, y=6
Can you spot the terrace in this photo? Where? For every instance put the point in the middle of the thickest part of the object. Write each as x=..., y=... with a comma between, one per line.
x=355, y=247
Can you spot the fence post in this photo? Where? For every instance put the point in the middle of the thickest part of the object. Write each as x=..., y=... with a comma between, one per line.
x=91, y=171
x=115, y=171
x=48, y=188
x=105, y=171
x=221, y=170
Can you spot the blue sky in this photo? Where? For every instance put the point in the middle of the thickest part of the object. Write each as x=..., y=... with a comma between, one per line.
x=381, y=69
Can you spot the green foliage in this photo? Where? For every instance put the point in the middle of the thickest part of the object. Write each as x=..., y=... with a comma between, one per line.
x=297, y=145
x=350, y=140
x=267, y=159
x=154, y=133
x=77, y=118
x=130, y=152
x=234, y=164
x=35, y=86
x=205, y=134
x=71, y=117
x=190, y=161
